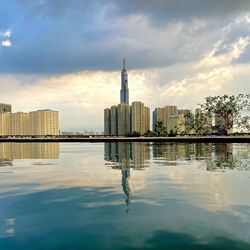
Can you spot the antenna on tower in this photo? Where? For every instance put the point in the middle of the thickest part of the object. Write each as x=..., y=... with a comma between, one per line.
x=124, y=64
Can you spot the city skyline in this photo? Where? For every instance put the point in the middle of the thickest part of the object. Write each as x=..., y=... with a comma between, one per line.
x=176, y=55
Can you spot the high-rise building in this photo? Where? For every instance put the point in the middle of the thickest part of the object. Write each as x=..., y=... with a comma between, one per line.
x=124, y=93
x=123, y=119
x=163, y=115
x=19, y=123
x=107, y=121
x=5, y=123
x=123, y=116
x=5, y=108
x=140, y=117
x=177, y=123
x=113, y=120
x=44, y=122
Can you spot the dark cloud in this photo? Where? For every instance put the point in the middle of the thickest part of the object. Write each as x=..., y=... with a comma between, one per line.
x=58, y=36
x=183, y=9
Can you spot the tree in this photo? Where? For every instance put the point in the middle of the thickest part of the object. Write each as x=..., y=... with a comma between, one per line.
x=228, y=110
x=202, y=123
x=160, y=130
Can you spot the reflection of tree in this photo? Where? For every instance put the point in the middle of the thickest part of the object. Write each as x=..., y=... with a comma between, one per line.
x=227, y=157
x=173, y=152
x=214, y=156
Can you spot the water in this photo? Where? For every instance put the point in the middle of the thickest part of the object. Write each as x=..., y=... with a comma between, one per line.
x=124, y=196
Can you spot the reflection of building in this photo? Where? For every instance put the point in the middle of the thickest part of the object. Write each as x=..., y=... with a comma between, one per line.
x=128, y=155
x=11, y=151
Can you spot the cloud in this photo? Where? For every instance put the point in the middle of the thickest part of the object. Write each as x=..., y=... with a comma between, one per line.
x=6, y=43
x=57, y=37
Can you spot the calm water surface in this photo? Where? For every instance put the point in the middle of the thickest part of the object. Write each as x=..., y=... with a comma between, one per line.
x=124, y=196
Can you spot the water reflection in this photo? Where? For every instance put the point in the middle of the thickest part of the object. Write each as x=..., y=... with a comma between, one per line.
x=214, y=157
x=125, y=156
x=12, y=151
x=174, y=199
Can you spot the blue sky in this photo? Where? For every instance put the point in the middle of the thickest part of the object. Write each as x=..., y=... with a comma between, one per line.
x=67, y=54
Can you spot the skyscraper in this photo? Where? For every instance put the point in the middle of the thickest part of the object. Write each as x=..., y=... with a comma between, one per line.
x=124, y=93
x=140, y=117
x=123, y=119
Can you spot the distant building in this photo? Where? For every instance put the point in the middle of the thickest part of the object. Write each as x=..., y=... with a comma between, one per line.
x=140, y=117
x=177, y=123
x=5, y=108
x=44, y=122
x=20, y=123
x=123, y=119
x=163, y=114
x=107, y=121
x=5, y=123
x=113, y=120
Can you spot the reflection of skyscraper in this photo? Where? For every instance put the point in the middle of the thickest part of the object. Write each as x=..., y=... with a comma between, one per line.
x=127, y=155
x=124, y=93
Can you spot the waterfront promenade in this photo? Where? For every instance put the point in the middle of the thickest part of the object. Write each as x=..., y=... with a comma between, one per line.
x=186, y=139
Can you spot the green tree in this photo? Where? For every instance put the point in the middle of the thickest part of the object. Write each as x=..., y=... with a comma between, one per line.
x=202, y=123
x=229, y=109
x=160, y=130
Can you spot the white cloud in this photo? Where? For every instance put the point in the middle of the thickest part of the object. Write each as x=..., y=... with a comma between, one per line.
x=6, y=43
x=7, y=33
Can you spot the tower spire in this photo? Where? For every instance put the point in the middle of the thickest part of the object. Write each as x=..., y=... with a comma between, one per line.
x=124, y=64
x=124, y=93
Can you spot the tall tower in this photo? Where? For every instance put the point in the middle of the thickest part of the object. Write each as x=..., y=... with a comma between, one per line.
x=124, y=93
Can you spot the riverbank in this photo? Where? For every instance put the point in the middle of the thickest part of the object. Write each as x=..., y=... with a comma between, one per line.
x=186, y=139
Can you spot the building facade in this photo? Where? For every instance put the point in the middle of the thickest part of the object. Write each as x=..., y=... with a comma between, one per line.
x=5, y=124
x=44, y=122
x=123, y=119
x=163, y=114
x=140, y=117
x=20, y=123
x=5, y=108
x=107, y=121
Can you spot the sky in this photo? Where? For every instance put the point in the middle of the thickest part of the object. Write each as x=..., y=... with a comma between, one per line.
x=67, y=55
